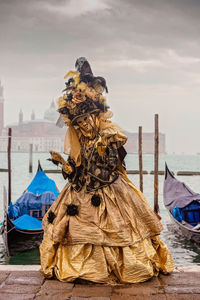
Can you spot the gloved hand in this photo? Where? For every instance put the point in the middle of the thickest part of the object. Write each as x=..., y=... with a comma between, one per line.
x=58, y=160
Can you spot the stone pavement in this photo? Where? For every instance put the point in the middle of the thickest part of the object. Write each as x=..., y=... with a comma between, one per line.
x=26, y=282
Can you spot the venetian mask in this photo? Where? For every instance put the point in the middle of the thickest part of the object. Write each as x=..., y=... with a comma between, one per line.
x=88, y=125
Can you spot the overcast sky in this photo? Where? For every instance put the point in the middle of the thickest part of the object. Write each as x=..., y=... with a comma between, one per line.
x=148, y=51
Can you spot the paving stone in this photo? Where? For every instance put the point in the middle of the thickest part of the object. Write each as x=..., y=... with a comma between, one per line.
x=92, y=291
x=17, y=296
x=90, y=298
x=22, y=279
x=154, y=281
x=51, y=288
x=183, y=297
x=125, y=297
x=139, y=289
x=155, y=297
x=138, y=297
x=27, y=273
x=18, y=289
x=181, y=278
x=3, y=276
x=19, y=285
x=186, y=289
x=56, y=295
x=57, y=285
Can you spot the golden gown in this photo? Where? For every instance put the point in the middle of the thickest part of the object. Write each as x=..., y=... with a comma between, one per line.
x=115, y=242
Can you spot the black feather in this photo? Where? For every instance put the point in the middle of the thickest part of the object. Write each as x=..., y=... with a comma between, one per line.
x=100, y=80
x=87, y=78
x=83, y=66
x=86, y=74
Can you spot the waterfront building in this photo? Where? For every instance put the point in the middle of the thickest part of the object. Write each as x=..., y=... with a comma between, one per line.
x=45, y=135
x=147, y=142
x=1, y=109
x=42, y=133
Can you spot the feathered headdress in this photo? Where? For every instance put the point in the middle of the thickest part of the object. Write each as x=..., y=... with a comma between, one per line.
x=83, y=93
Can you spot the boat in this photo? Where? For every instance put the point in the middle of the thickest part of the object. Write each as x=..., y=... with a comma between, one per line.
x=183, y=206
x=22, y=225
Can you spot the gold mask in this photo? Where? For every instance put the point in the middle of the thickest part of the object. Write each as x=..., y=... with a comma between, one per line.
x=88, y=125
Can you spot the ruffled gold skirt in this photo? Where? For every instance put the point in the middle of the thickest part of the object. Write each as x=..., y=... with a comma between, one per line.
x=116, y=242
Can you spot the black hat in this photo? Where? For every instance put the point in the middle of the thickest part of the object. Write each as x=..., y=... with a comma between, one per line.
x=83, y=92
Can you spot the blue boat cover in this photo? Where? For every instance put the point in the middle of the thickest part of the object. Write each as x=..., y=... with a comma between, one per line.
x=183, y=203
x=42, y=183
x=26, y=222
x=12, y=212
x=176, y=212
x=29, y=201
x=191, y=213
x=42, y=190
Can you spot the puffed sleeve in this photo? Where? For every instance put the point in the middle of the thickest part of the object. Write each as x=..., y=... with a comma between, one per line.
x=114, y=135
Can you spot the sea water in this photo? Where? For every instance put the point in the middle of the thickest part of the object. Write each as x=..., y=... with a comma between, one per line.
x=184, y=252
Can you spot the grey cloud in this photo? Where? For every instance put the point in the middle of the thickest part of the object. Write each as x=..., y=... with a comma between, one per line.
x=127, y=24
x=75, y=8
x=148, y=50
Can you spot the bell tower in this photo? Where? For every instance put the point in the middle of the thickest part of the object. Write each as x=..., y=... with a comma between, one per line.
x=20, y=117
x=1, y=109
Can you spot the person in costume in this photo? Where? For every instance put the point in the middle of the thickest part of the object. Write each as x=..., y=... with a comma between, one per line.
x=100, y=228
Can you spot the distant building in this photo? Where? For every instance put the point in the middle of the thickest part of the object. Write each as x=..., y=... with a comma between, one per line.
x=38, y=127
x=1, y=109
x=147, y=142
x=42, y=133
x=45, y=135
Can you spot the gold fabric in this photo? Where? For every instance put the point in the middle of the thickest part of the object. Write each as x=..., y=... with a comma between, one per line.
x=72, y=145
x=104, y=264
x=115, y=242
x=122, y=219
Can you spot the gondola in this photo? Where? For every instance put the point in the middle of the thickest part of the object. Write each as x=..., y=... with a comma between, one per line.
x=183, y=206
x=22, y=225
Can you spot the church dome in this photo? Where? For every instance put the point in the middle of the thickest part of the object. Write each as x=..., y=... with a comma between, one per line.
x=51, y=114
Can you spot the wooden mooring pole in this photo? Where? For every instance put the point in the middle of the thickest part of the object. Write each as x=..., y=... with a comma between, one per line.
x=140, y=157
x=9, y=164
x=30, y=158
x=156, y=157
x=5, y=231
